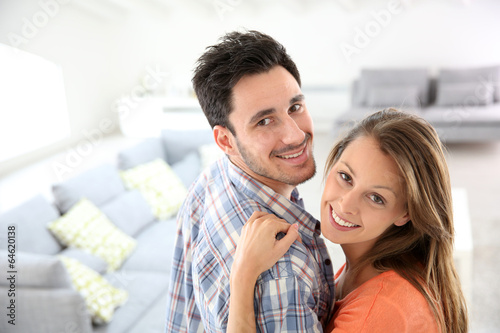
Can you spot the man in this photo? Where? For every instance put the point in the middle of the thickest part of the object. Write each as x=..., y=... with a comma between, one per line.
x=249, y=90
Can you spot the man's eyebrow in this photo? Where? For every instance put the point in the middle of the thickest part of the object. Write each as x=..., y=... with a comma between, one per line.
x=297, y=98
x=261, y=114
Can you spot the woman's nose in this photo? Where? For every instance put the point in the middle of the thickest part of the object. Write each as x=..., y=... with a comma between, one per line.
x=348, y=203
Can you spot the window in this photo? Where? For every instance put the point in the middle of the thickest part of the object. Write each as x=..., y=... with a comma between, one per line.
x=33, y=112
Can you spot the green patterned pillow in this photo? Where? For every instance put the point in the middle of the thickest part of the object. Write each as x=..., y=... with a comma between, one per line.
x=100, y=296
x=161, y=187
x=86, y=227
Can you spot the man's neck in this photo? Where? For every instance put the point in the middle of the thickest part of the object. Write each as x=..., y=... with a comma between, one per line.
x=277, y=186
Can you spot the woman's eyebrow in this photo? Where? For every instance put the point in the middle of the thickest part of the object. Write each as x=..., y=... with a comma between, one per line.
x=375, y=186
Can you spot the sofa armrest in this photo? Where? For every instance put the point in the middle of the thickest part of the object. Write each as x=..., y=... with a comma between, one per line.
x=44, y=310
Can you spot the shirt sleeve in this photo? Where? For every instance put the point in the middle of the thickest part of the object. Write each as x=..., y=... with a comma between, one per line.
x=285, y=304
x=179, y=305
x=283, y=301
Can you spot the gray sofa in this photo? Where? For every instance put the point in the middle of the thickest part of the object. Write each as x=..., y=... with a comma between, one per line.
x=462, y=104
x=44, y=296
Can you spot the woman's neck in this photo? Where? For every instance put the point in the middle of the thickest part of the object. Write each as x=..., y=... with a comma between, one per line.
x=350, y=280
x=354, y=252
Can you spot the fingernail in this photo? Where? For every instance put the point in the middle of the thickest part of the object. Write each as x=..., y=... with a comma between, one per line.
x=296, y=226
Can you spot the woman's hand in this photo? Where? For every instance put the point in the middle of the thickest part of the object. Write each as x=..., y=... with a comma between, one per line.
x=257, y=251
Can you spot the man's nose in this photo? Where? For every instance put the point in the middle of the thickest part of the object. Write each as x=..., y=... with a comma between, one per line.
x=291, y=132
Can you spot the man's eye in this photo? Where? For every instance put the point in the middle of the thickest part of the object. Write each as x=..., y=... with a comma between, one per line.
x=264, y=122
x=295, y=107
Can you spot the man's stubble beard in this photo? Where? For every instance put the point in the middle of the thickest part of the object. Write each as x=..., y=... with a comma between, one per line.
x=277, y=176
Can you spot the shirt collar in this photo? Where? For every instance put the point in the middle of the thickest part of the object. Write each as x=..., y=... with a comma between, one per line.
x=290, y=210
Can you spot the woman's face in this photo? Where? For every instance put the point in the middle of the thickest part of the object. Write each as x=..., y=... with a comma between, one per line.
x=363, y=196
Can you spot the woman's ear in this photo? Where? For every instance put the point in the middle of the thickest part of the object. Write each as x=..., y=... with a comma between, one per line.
x=224, y=139
x=402, y=220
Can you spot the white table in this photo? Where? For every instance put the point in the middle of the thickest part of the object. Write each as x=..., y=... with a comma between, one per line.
x=149, y=116
x=463, y=252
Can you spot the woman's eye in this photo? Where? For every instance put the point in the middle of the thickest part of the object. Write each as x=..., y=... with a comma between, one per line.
x=377, y=199
x=345, y=177
x=264, y=122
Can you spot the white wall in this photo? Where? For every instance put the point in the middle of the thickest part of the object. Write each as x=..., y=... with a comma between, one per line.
x=107, y=47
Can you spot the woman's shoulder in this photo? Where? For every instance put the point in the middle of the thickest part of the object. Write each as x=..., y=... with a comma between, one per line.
x=389, y=289
x=385, y=303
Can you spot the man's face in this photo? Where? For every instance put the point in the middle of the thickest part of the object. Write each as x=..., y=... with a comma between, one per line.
x=274, y=131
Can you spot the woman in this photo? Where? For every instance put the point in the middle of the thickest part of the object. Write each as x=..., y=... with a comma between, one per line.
x=387, y=202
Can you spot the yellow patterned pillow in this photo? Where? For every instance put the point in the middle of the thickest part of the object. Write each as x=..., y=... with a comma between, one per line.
x=100, y=296
x=86, y=227
x=160, y=186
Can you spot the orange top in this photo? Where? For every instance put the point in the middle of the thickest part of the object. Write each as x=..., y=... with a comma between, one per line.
x=386, y=303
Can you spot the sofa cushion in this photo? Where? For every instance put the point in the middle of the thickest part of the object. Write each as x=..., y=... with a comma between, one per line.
x=395, y=96
x=371, y=78
x=179, y=143
x=155, y=246
x=487, y=75
x=144, y=152
x=100, y=296
x=188, y=169
x=144, y=290
x=98, y=185
x=480, y=117
x=159, y=184
x=129, y=212
x=86, y=227
x=36, y=271
x=46, y=310
x=30, y=220
x=464, y=93
x=88, y=259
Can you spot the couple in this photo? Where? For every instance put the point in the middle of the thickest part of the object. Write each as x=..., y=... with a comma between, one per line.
x=387, y=202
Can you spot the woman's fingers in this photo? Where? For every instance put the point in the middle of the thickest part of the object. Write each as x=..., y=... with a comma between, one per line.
x=292, y=234
x=258, y=248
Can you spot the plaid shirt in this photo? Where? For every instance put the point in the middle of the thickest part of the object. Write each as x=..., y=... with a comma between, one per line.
x=296, y=295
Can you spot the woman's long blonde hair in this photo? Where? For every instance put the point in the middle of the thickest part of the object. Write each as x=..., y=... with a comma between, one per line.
x=421, y=251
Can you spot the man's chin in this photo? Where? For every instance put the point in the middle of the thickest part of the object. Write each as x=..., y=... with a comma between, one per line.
x=298, y=175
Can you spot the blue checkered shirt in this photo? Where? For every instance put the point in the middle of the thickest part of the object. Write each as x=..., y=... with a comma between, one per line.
x=296, y=295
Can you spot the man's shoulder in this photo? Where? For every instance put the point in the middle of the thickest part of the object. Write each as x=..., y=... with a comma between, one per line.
x=215, y=205
x=209, y=180
x=297, y=263
x=215, y=191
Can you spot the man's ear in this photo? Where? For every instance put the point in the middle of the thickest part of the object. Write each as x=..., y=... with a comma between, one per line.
x=224, y=139
x=402, y=220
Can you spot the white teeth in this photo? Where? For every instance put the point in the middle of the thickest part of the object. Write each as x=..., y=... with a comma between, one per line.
x=292, y=156
x=342, y=222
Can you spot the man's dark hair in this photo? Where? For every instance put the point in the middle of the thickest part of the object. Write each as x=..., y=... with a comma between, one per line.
x=223, y=65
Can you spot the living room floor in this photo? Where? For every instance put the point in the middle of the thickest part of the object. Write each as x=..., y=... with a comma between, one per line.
x=475, y=168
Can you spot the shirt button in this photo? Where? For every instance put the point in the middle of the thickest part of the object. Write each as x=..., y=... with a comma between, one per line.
x=328, y=262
